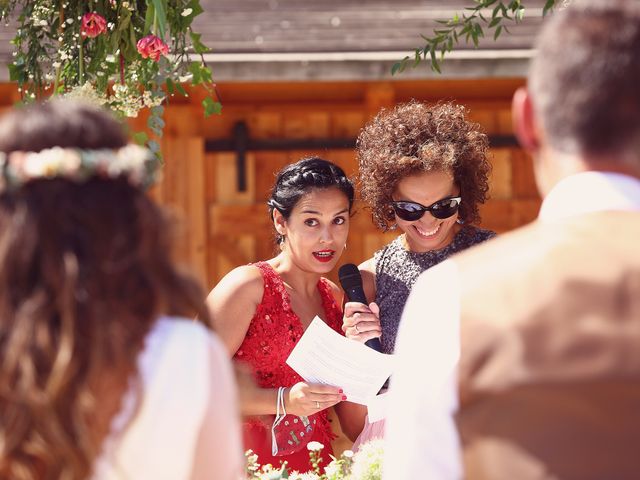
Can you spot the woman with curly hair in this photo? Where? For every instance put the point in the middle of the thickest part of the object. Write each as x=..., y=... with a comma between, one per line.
x=423, y=170
x=103, y=373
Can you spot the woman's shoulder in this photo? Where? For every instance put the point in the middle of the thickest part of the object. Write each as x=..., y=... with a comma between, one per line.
x=246, y=281
x=174, y=333
x=479, y=235
x=393, y=253
x=368, y=266
x=177, y=342
x=388, y=248
x=332, y=300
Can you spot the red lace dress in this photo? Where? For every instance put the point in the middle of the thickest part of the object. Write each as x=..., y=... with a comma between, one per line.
x=274, y=331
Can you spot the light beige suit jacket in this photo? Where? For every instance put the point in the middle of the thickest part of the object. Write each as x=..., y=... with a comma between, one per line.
x=549, y=373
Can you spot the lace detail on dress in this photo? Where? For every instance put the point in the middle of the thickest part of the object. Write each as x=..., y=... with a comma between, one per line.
x=273, y=333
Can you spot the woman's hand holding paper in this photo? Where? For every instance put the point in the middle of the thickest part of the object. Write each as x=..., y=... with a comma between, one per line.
x=305, y=399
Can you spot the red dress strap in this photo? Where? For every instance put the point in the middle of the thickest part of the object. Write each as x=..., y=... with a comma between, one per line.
x=274, y=289
x=332, y=311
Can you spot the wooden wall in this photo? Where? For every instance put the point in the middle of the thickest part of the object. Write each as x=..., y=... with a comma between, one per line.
x=221, y=227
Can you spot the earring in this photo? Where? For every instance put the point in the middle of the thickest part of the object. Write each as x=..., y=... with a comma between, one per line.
x=345, y=247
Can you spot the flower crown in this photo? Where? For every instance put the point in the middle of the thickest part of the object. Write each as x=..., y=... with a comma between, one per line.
x=137, y=163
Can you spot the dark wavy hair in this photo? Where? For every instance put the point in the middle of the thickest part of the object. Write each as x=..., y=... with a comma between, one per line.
x=84, y=273
x=297, y=179
x=416, y=137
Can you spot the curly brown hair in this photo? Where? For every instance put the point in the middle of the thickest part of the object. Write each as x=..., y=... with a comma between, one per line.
x=85, y=271
x=417, y=137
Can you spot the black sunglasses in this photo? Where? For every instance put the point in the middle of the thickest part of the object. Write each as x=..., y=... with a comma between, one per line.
x=412, y=211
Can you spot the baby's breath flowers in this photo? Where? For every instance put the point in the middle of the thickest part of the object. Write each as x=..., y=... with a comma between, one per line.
x=126, y=55
x=366, y=464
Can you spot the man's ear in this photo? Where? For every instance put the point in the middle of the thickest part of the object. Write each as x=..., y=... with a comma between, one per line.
x=524, y=121
x=279, y=221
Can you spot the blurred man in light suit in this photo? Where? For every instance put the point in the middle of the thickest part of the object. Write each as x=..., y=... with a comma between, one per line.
x=529, y=345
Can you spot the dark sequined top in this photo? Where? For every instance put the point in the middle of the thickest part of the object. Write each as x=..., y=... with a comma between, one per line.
x=397, y=269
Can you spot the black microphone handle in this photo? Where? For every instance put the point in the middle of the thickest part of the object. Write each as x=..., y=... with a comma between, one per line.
x=356, y=294
x=375, y=344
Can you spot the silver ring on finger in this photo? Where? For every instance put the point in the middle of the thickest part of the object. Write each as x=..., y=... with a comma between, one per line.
x=356, y=327
x=317, y=404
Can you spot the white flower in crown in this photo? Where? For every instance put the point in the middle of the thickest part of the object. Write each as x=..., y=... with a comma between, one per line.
x=51, y=162
x=132, y=160
x=136, y=162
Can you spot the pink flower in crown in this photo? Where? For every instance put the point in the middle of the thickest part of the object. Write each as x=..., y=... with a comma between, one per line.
x=152, y=47
x=93, y=25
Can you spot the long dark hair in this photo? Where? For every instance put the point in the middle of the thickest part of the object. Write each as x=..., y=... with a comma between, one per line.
x=85, y=271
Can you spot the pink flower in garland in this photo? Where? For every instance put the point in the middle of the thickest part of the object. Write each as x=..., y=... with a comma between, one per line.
x=93, y=25
x=152, y=47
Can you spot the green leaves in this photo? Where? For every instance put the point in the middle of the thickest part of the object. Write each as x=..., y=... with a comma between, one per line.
x=159, y=18
x=51, y=55
x=155, y=122
x=548, y=6
x=194, y=5
x=471, y=26
x=140, y=138
x=211, y=107
x=497, y=33
x=201, y=73
x=198, y=46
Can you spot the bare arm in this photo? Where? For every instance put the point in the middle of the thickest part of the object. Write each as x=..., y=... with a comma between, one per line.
x=351, y=416
x=232, y=304
x=368, y=272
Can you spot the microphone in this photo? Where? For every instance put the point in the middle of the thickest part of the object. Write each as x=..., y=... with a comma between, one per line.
x=351, y=282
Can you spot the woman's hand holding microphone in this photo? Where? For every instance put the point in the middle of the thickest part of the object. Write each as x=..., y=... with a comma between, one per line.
x=361, y=322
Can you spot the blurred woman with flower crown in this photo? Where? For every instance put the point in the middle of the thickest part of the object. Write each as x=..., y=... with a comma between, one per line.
x=94, y=336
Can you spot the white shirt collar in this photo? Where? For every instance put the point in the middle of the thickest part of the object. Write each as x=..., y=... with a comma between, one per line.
x=589, y=192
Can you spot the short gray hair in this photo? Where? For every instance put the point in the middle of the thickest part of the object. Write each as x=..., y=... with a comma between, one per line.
x=585, y=78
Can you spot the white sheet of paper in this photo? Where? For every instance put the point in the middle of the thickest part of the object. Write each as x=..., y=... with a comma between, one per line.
x=324, y=356
x=377, y=407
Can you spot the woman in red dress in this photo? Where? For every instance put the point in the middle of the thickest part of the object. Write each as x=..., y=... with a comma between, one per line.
x=261, y=310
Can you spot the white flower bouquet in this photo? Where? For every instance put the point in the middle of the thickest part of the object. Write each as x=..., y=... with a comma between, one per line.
x=366, y=464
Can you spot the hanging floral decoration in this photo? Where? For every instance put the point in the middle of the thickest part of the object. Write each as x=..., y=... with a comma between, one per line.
x=124, y=54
